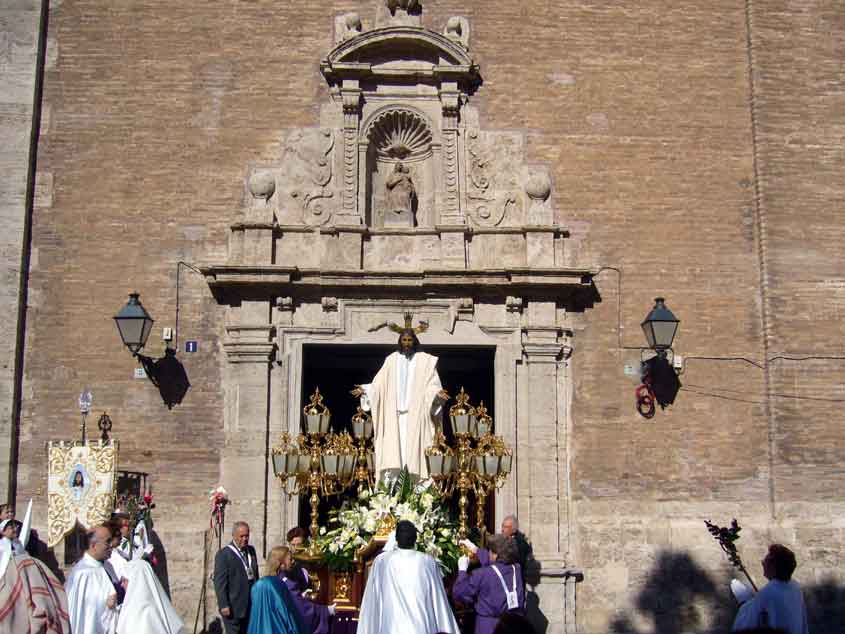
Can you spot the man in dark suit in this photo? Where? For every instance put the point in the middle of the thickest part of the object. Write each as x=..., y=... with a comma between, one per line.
x=235, y=570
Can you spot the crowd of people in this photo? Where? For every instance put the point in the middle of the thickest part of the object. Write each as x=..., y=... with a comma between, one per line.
x=405, y=589
x=112, y=589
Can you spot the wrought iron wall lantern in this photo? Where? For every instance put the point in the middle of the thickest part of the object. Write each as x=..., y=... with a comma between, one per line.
x=660, y=381
x=167, y=373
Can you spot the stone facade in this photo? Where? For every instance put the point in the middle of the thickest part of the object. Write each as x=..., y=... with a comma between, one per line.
x=570, y=162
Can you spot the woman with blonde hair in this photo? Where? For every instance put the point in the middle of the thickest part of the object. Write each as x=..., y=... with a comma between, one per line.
x=273, y=611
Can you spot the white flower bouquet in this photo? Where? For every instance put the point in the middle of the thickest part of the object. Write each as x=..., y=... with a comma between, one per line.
x=355, y=523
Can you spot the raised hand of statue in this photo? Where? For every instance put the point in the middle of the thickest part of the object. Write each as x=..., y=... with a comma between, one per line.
x=357, y=391
x=443, y=395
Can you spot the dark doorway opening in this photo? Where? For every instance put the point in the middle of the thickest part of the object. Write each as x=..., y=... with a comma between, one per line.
x=336, y=369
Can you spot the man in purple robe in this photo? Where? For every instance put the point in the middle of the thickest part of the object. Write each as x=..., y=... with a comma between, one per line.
x=316, y=616
x=496, y=588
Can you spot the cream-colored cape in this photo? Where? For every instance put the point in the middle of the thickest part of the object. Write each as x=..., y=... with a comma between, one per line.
x=423, y=407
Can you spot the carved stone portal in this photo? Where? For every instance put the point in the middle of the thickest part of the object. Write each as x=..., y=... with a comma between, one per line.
x=399, y=148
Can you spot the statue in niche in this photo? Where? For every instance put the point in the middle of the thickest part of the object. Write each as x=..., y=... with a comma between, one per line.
x=400, y=197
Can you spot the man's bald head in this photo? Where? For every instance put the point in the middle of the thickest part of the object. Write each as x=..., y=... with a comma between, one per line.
x=99, y=542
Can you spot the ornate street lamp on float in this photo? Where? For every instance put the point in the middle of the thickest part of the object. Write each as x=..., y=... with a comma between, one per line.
x=660, y=382
x=167, y=373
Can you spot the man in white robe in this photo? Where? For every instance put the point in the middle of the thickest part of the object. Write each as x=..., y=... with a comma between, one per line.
x=405, y=592
x=405, y=398
x=780, y=604
x=91, y=596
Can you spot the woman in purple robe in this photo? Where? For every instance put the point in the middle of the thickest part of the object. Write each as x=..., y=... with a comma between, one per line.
x=496, y=587
x=315, y=616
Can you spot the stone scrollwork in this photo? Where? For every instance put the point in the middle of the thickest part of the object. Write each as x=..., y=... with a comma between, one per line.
x=490, y=213
x=479, y=164
x=309, y=171
x=315, y=206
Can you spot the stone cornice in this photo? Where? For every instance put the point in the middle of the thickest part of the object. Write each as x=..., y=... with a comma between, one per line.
x=285, y=280
x=416, y=231
x=248, y=351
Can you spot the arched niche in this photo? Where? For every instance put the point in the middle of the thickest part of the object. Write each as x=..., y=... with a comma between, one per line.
x=399, y=139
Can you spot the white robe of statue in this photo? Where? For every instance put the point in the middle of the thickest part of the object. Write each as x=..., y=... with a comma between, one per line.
x=405, y=594
x=88, y=588
x=404, y=404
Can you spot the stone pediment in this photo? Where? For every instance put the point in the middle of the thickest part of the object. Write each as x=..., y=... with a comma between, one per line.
x=420, y=52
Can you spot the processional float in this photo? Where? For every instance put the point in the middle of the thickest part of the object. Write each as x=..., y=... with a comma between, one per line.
x=324, y=463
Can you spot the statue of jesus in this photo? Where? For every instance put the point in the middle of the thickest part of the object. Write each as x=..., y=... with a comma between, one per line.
x=406, y=399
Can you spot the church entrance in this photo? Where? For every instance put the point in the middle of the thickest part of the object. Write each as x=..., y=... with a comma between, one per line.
x=336, y=368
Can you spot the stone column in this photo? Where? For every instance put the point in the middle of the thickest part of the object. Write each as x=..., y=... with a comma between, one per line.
x=349, y=213
x=543, y=501
x=450, y=100
x=244, y=460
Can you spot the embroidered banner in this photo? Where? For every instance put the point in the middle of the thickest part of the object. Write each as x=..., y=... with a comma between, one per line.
x=80, y=485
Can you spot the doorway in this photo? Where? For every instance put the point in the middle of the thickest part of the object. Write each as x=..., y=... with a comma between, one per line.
x=337, y=368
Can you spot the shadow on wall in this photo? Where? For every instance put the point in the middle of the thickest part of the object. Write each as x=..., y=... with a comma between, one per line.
x=680, y=597
x=160, y=567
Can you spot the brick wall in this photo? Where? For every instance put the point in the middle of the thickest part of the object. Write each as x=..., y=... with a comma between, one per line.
x=643, y=115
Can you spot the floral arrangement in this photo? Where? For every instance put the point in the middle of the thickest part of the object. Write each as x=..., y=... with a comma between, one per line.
x=219, y=498
x=358, y=520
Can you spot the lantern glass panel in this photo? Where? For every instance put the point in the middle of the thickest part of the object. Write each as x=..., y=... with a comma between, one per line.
x=331, y=463
x=312, y=423
x=279, y=460
x=435, y=465
x=491, y=465
x=505, y=464
x=325, y=419
x=304, y=463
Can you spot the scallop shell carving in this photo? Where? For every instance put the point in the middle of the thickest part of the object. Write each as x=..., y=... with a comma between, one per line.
x=400, y=135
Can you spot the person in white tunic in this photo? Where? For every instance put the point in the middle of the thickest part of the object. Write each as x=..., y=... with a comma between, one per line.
x=780, y=604
x=405, y=592
x=120, y=554
x=146, y=609
x=406, y=399
x=91, y=596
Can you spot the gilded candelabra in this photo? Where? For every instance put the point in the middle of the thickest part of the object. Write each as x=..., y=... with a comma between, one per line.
x=362, y=430
x=316, y=461
x=480, y=463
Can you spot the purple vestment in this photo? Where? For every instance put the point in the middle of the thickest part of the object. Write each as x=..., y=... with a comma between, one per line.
x=483, y=589
x=315, y=616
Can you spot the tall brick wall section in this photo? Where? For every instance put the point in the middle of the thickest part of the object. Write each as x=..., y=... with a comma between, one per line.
x=18, y=51
x=644, y=118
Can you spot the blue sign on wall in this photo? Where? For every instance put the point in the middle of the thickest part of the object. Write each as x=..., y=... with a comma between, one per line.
x=190, y=346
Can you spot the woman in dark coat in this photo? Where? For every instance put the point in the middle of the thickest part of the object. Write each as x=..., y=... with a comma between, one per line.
x=496, y=587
